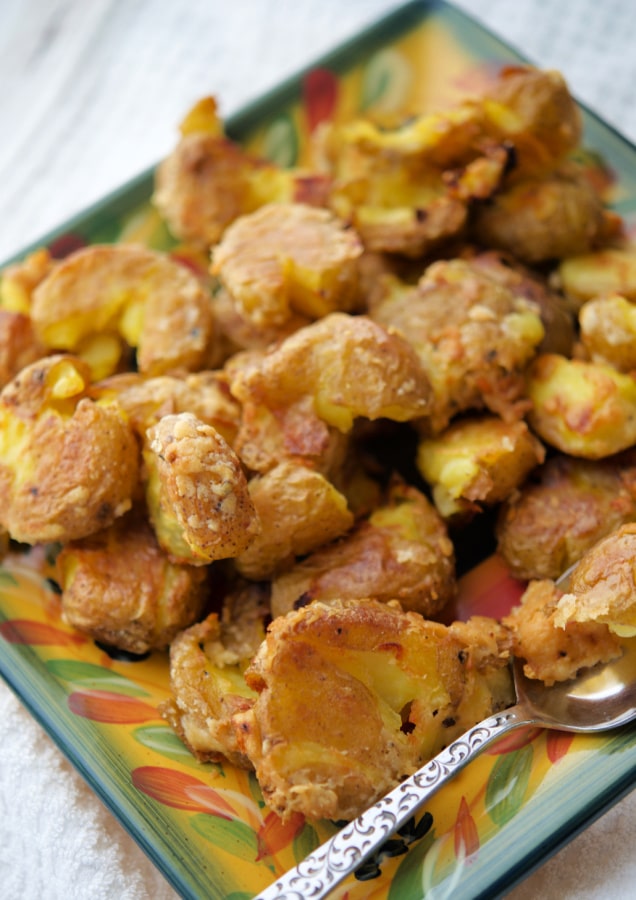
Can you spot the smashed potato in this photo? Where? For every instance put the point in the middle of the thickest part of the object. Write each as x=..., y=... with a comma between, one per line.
x=608, y=331
x=121, y=589
x=552, y=653
x=69, y=466
x=477, y=462
x=602, y=586
x=608, y=271
x=400, y=678
x=401, y=551
x=18, y=344
x=582, y=408
x=102, y=298
x=207, y=663
x=564, y=509
x=288, y=258
x=349, y=365
x=473, y=337
x=302, y=511
x=197, y=494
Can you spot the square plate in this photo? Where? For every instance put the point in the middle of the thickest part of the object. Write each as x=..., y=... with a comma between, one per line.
x=205, y=826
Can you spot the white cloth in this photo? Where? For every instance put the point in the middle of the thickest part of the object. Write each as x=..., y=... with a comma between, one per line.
x=90, y=94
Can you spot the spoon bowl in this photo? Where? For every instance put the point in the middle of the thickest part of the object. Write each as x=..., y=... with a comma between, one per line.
x=599, y=699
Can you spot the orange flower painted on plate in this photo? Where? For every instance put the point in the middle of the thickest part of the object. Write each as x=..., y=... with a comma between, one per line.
x=111, y=708
x=181, y=791
x=274, y=834
x=557, y=744
x=465, y=832
x=28, y=631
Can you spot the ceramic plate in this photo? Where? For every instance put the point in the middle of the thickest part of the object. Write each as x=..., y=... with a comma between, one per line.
x=206, y=826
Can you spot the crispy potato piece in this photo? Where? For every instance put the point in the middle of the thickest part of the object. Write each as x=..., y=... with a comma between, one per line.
x=542, y=218
x=608, y=331
x=349, y=365
x=207, y=662
x=609, y=271
x=302, y=511
x=602, y=587
x=566, y=507
x=288, y=258
x=582, y=408
x=19, y=346
x=146, y=400
x=19, y=280
x=556, y=314
x=103, y=296
x=197, y=494
x=553, y=653
x=68, y=465
x=473, y=336
x=208, y=181
x=477, y=462
x=121, y=589
x=294, y=432
x=235, y=332
x=401, y=551
x=399, y=678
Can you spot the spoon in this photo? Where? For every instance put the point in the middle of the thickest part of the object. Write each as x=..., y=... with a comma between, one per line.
x=602, y=697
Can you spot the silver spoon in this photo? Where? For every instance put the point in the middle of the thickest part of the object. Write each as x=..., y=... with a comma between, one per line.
x=601, y=698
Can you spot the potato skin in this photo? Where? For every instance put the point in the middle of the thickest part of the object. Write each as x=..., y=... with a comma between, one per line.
x=399, y=678
x=121, y=589
x=197, y=493
x=288, y=258
x=566, y=507
x=554, y=653
x=602, y=587
x=301, y=511
x=473, y=336
x=68, y=465
x=608, y=331
x=19, y=346
x=400, y=551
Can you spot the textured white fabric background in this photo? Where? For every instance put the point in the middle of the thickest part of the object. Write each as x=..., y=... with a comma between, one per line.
x=90, y=94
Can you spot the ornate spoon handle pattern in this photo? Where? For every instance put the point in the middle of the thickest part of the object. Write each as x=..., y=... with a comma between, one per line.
x=320, y=872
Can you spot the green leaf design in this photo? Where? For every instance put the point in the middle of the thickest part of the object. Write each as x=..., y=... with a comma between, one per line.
x=280, y=144
x=507, y=784
x=7, y=579
x=88, y=675
x=407, y=881
x=384, y=80
x=235, y=837
x=163, y=740
x=305, y=842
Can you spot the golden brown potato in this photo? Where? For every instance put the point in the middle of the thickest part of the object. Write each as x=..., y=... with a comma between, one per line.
x=102, y=297
x=609, y=271
x=208, y=181
x=146, y=400
x=608, y=331
x=68, y=465
x=542, y=218
x=473, y=336
x=196, y=491
x=477, y=462
x=19, y=280
x=602, y=587
x=349, y=365
x=553, y=653
x=300, y=510
x=293, y=432
x=121, y=589
x=19, y=346
x=207, y=662
x=400, y=552
x=352, y=698
x=566, y=507
x=288, y=258
x=556, y=314
x=582, y=408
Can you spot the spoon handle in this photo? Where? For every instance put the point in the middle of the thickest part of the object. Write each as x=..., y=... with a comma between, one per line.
x=321, y=871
